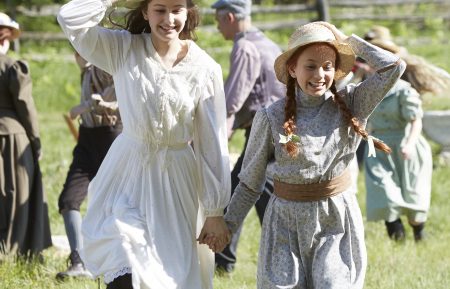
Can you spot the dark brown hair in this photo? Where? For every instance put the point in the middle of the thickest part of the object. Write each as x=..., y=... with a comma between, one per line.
x=290, y=110
x=136, y=24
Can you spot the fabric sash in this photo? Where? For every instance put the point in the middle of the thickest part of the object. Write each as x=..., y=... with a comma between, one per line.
x=313, y=192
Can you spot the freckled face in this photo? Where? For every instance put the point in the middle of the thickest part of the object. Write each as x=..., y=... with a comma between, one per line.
x=166, y=18
x=314, y=69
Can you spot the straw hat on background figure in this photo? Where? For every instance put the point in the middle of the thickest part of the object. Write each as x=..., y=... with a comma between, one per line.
x=424, y=76
x=381, y=37
x=6, y=21
x=315, y=33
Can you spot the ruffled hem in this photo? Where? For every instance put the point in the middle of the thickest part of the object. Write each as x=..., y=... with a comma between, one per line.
x=109, y=277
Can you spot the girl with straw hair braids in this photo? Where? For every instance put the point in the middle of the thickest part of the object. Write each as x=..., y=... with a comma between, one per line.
x=153, y=192
x=313, y=235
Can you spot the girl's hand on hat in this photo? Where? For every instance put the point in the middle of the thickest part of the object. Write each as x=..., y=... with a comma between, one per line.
x=340, y=36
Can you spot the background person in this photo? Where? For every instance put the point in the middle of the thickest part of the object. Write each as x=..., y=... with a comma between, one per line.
x=100, y=124
x=400, y=183
x=24, y=222
x=250, y=86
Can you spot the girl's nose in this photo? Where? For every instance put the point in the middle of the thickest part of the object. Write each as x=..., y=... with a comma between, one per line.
x=320, y=73
x=170, y=18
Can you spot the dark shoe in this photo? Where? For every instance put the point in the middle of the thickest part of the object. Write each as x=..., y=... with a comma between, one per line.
x=121, y=282
x=76, y=268
x=418, y=232
x=395, y=230
x=224, y=269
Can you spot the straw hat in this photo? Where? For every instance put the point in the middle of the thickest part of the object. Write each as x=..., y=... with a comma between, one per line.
x=381, y=37
x=6, y=21
x=315, y=33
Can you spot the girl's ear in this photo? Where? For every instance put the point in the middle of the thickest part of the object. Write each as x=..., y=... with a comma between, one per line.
x=230, y=16
x=291, y=71
x=144, y=14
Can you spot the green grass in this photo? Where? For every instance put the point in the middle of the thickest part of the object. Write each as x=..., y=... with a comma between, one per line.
x=391, y=265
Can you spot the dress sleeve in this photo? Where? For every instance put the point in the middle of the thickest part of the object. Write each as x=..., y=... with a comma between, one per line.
x=211, y=146
x=364, y=97
x=105, y=48
x=410, y=104
x=259, y=152
x=20, y=86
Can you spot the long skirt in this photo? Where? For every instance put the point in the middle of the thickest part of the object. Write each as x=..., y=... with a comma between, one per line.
x=24, y=221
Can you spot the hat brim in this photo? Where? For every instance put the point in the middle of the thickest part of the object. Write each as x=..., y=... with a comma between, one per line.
x=386, y=44
x=345, y=53
x=15, y=33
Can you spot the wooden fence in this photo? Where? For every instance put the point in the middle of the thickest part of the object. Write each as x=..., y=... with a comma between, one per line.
x=405, y=10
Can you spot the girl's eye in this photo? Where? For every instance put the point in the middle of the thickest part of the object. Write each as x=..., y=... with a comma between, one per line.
x=160, y=11
x=310, y=67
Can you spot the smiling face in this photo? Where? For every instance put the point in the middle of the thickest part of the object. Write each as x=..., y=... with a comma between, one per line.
x=314, y=69
x=166, y=18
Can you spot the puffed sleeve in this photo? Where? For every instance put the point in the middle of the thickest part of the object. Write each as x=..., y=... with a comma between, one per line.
x=365, y=96
x=211, y=146
x=259, y=152
x=20, y=86
x=105, y=48
x=410, y=104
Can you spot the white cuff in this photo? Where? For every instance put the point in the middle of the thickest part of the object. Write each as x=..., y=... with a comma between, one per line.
x=214, y=212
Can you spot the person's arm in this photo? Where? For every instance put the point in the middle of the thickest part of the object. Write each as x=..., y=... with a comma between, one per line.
x=105, y=48
x=79, y=109
x=407, y=148
x=20, y=86
x=411, y=111
x=106, y=93
x=365, y=96
x=259, y=152
x=211, y=146
x=245, y=68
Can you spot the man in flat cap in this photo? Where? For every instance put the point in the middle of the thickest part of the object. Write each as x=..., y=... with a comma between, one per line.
x=250, y=86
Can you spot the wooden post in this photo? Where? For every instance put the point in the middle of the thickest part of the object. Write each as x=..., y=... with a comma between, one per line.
x=323, y=10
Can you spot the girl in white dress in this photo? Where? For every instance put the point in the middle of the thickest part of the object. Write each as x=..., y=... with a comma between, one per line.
x=153, y=191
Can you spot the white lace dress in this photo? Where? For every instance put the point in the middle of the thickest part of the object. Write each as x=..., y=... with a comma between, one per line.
x=152, y=192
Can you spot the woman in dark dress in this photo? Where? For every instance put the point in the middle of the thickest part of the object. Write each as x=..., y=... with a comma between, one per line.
x=24, y=222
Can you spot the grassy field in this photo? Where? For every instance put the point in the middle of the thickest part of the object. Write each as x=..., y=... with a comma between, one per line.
x=391, y=265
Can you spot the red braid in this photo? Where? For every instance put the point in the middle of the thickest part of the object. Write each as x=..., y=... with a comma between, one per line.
x=353, y=121
x=290, y=116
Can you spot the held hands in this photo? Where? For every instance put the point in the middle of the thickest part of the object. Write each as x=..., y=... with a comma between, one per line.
x=340, y=36
x=215, y=234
